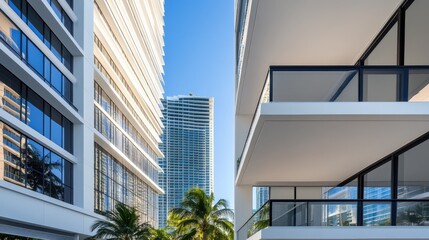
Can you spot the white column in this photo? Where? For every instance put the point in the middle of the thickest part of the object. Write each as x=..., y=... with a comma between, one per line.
x=242, y=206
x=83, y=100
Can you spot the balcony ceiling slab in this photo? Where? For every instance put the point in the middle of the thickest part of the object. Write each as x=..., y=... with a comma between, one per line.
x=306, y=32
x=323, y=144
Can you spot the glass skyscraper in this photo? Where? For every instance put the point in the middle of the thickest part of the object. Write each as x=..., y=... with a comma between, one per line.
x=187, y=144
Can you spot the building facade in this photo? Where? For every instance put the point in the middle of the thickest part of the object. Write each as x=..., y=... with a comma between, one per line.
x=80, y=126
x=332, y=115
x=187, y=143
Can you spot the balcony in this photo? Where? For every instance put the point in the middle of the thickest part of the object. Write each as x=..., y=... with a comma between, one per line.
x=312, y=121
x=301, y=219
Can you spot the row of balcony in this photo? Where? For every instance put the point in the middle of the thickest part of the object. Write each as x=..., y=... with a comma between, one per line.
x=342, y=84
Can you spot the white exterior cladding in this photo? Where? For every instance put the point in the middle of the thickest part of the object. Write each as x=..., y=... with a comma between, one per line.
x=130, y=31
x=293, y=134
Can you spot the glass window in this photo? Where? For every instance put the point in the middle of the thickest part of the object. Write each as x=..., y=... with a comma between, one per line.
x=413, y=177
x=68, y=134
x=56, y=7
x=67, y=89
x=35, y=166
x=35, y=58
x=35, y=22
x=47, y=121
x=56, y=46
x=412, y=214
x=16, y=6
x=56, y=127
x=10, y=33
x=377, y=183
x=56, y=78
x=417, y=33
x=67, y=59
x=68, y=23
x=47, y=73
x=385, y=53
x=35, y=111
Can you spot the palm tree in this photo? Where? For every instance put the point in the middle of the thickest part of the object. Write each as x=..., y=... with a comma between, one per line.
x=198, y=218
x=123, y=223
x=160, y=234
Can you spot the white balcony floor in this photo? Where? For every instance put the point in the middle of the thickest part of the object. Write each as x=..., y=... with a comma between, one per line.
x=343, y=233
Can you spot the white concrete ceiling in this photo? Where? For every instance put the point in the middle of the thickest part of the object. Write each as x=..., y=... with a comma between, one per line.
x=306, y=32
x=326, y=143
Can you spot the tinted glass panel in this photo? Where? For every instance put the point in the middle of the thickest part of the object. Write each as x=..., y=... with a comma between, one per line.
x=15, y=5
x=56, y=79
x=417, y=33
x=47, y=120
x=56, y=46
x=413, y=214
x=56, y=7
x=56, y=127
x=377, y=183
x=386, y=51
x=35, y=23
x=35, y=111
x=10, y=33
x=413, y=177
x=380, y=85
x=418, y=86
x=35, y=58
x=376, y=214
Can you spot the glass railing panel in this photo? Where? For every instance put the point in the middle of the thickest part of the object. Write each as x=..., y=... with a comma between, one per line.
x=258, y=221
x=412, y=214
x=332, y=214
x=381, y=85
x=418, y=85
x=376, y=213
x=313, y=86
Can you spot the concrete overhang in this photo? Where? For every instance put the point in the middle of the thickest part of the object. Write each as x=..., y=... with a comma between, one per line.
x=321, y=144
x=305, y=32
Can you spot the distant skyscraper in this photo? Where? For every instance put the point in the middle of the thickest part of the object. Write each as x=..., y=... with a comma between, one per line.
x=187, y=144
x=262, y=196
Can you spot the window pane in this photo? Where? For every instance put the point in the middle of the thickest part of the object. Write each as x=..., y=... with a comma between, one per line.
x=35, y=58
x=35, y=111
x=417, y=33
x=67, y=89
x=56, y=127
x=56, y=46
x=377, y=183
x=68, y=23
x=47, y=121
x=35, y=22
x=67, y=59
x=68, y=135
x=56, y=78
x=10, y=33
x=16, y=6
x=56, y=7
x=413, y=177
x=68, y=173
x=385, y=53
x=35, y=164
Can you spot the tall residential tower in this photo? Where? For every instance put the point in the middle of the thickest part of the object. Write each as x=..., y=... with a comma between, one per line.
x=80, y=113
x=187, y=143
x=332, y=115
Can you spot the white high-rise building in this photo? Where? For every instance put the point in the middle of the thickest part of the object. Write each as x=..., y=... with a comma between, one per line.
x=187, y=143
x=332, y=115
x=80, y=113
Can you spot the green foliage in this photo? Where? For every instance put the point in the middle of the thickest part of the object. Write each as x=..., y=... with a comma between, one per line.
x=199, y=218
x=123, y=224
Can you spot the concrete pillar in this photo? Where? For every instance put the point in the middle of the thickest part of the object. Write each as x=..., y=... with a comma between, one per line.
x=242, y=206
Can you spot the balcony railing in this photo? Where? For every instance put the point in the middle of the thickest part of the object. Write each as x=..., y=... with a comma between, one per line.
x=337, y=212
x=343, y=84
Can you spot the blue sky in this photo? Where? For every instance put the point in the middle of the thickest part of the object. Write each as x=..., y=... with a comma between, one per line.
x=199, y=59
